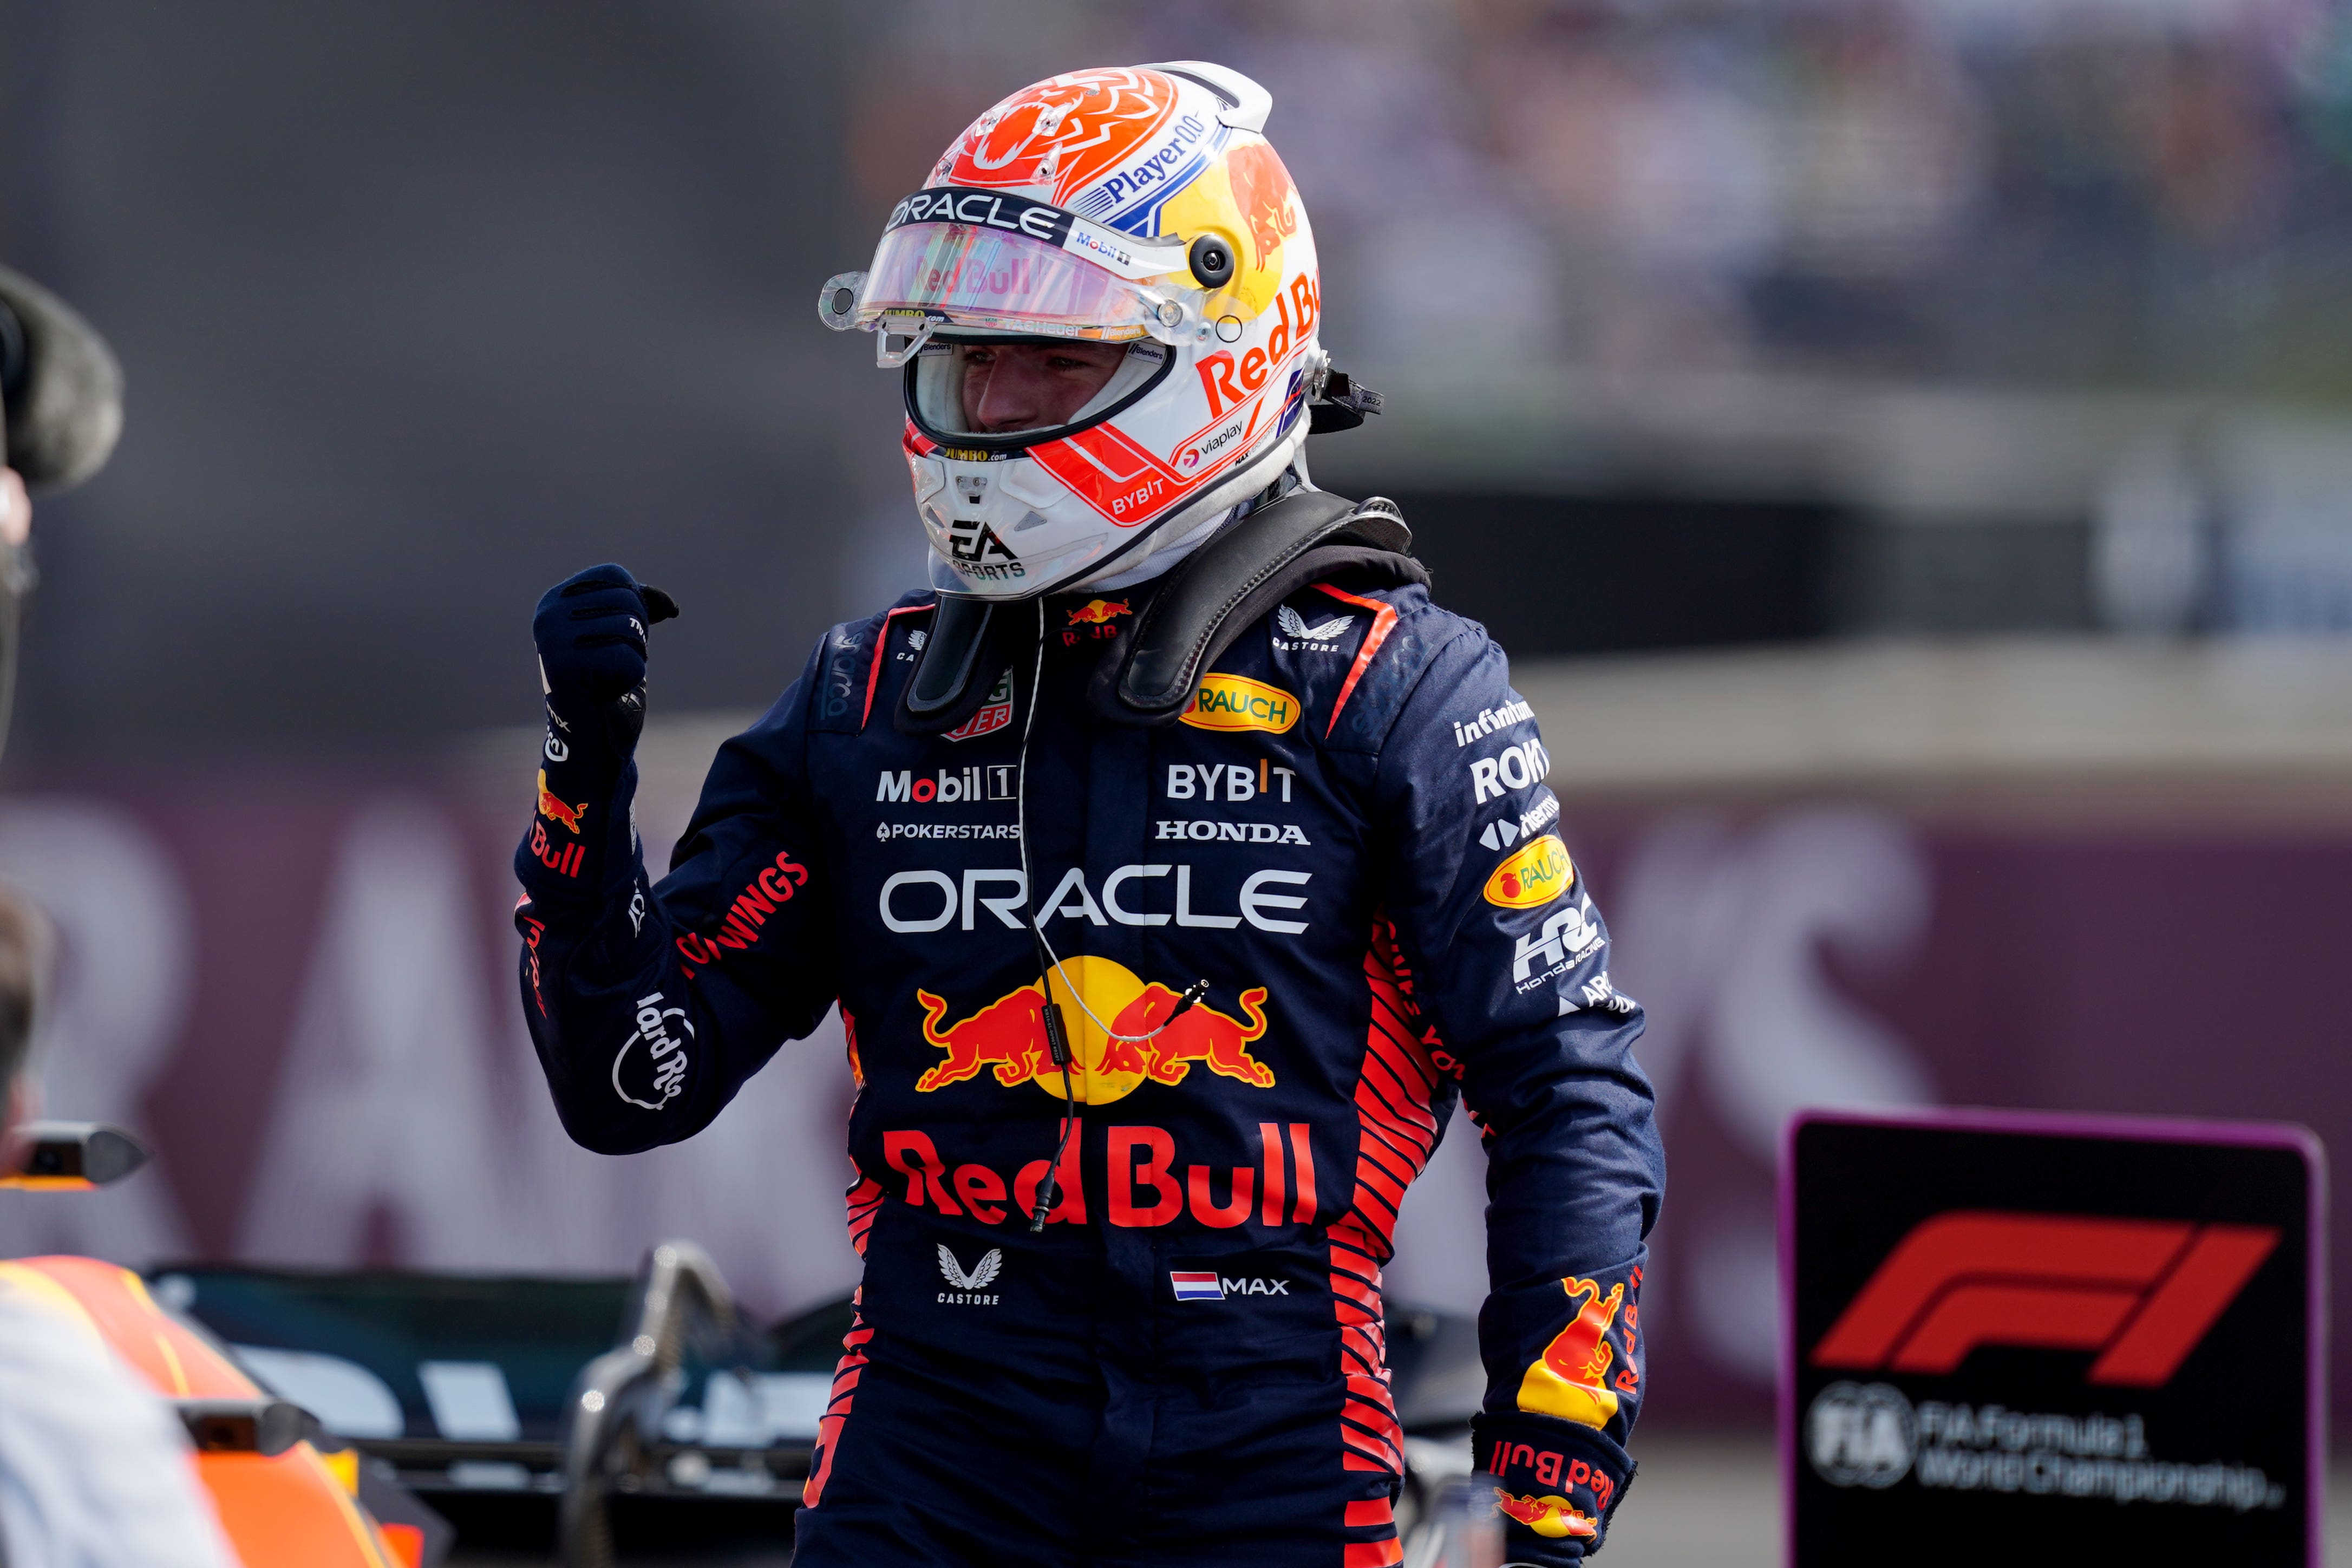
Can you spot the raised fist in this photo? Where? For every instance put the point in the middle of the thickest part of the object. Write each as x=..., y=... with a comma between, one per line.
x=591, y=631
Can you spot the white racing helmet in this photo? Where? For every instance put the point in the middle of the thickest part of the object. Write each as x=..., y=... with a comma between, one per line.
x=1137, y=206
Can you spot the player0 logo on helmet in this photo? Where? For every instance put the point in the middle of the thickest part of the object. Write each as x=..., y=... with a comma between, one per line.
x=1141, y=213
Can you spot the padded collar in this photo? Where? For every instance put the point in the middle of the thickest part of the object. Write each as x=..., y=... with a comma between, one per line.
x=1193, y=614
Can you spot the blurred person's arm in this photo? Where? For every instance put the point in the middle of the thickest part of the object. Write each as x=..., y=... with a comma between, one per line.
x=95, y=1469
x=15, y=509
x=1508, y=991
x=650, y=1004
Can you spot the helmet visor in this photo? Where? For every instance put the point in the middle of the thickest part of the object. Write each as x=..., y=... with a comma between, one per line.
x=935, y=395
x=1008, y=281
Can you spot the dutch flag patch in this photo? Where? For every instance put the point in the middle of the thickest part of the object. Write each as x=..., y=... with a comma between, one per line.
x=1196, y=1287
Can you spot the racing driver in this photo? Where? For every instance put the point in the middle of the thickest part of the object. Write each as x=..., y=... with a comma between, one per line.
x=1174, y=863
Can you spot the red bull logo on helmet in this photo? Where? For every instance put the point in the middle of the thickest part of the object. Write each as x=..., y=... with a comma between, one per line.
x=1007, y=1038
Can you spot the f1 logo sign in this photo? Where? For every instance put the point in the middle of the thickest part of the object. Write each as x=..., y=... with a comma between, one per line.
x=2140, y=1293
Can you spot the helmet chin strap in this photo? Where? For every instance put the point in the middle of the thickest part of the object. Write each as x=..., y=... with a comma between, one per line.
x=1127, y=572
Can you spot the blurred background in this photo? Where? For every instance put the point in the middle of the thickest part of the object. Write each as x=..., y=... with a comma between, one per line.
x=1907, y=446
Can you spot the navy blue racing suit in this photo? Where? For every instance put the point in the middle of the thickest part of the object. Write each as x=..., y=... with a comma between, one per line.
x=1348, y=838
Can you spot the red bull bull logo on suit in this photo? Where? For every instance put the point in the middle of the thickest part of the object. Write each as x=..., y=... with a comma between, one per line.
x=1098, y=612
x=1552, y=1517
x=557, y=855
x=555, y=810
x=1007, y=1037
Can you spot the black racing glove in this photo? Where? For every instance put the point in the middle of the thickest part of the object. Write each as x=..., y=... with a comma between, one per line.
x=591, y=631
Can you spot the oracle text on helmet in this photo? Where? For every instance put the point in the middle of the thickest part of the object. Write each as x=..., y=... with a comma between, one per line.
x=992, y=209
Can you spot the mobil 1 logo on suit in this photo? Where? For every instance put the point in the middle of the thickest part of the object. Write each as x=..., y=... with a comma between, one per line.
x=2041, y=1341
